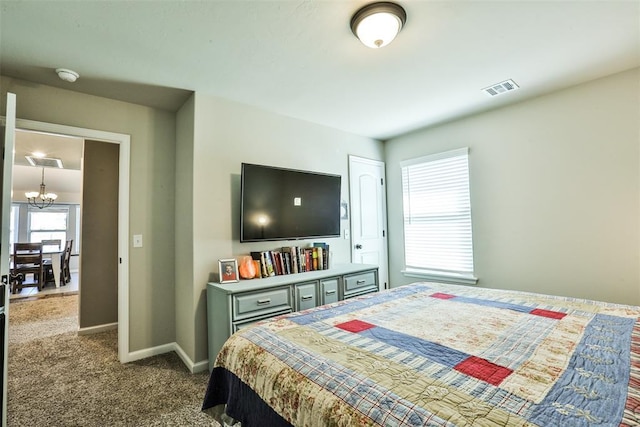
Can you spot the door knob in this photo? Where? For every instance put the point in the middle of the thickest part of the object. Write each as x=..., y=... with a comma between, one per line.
x=358, y=246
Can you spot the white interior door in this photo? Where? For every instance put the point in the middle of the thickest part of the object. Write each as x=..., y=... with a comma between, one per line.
x=5, y=187
x=369, y=215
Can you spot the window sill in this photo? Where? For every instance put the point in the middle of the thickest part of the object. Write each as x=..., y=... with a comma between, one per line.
x=437, y=276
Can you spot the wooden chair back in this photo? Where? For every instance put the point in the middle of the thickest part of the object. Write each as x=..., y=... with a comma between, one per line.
x=27, y=260
x=51, y=245
x=26, y=249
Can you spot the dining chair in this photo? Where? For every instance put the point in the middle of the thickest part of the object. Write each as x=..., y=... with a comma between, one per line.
x=52, y=245
x=27, y=264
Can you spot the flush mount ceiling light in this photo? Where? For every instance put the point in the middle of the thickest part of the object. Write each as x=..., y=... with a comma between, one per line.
x=377, y=24
x=67, y=75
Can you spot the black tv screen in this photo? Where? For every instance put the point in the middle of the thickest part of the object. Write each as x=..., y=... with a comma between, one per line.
x=287, y=204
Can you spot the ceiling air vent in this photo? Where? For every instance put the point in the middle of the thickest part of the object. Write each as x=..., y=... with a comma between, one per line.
x=48, y=162
x=502, y=87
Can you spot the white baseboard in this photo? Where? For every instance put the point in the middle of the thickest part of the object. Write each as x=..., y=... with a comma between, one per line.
x=201, y=366
x=148, y=352
x=194, y=368
x=97, y=329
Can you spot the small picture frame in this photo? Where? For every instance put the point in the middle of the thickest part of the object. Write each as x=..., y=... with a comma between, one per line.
x=228, y=270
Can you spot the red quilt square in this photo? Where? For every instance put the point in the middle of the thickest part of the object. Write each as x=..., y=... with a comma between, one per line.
x=442, y=296
x=548, y=313
x=483, y=370
x=355, y=326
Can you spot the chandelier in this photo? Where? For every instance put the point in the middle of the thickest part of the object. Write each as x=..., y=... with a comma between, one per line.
x=41, y=199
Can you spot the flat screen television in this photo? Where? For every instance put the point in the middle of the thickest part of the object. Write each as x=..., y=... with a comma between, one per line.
x=288, y=204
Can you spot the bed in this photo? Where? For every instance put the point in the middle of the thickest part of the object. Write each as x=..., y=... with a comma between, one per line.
x=430, y=354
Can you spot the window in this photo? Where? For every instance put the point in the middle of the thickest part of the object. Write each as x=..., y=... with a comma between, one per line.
x=76, y=239
x=437, y=217
x=13, y=226
x=49, y=224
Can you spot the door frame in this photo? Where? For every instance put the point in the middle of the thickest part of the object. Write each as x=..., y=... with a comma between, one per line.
x=8, y=128
x=124, y=141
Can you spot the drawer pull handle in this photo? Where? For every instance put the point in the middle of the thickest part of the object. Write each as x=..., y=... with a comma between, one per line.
x=307, y=297
x=331, y=292
x=361, y=282
x=264, y=301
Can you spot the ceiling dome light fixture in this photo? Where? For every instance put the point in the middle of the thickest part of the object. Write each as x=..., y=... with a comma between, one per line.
x=377, y=24
x=67, y=75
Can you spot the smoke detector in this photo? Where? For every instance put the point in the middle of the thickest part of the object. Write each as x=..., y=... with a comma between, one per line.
x=500, y=88
x=67, y=75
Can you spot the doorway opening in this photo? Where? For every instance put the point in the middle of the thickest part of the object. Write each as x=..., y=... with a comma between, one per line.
x=56, y=226
x=122, y=142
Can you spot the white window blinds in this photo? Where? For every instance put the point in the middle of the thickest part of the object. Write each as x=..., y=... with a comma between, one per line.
x=437, y=214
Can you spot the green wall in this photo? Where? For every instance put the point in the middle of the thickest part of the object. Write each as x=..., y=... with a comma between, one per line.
x=225, y=134
x=555, y=191
x=151, y=203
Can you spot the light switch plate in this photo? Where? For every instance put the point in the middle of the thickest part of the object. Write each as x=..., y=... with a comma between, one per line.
x=137, y=240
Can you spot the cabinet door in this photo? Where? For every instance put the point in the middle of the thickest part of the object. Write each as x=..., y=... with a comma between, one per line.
x=306, y=295
x=329, y=290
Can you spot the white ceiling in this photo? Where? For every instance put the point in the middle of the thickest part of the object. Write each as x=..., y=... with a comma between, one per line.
x=64, y=181
x=299, y=58
x=66, y=148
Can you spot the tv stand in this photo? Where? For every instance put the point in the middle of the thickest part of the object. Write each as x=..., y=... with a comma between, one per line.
x=233, y=306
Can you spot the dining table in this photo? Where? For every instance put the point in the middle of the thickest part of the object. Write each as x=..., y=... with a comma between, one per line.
x=56, y=263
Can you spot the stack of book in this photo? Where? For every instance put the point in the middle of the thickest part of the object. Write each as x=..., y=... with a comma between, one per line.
x=293, y=259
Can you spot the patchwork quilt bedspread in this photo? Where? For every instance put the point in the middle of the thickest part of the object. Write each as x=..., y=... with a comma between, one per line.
x=430, y=354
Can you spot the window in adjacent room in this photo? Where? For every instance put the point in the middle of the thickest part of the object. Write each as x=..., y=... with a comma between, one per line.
x=76, y=238
x=438, y=242
x=48, y=224
x=13, y=226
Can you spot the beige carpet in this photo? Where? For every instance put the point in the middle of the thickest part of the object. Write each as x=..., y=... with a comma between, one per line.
x=59, y=378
